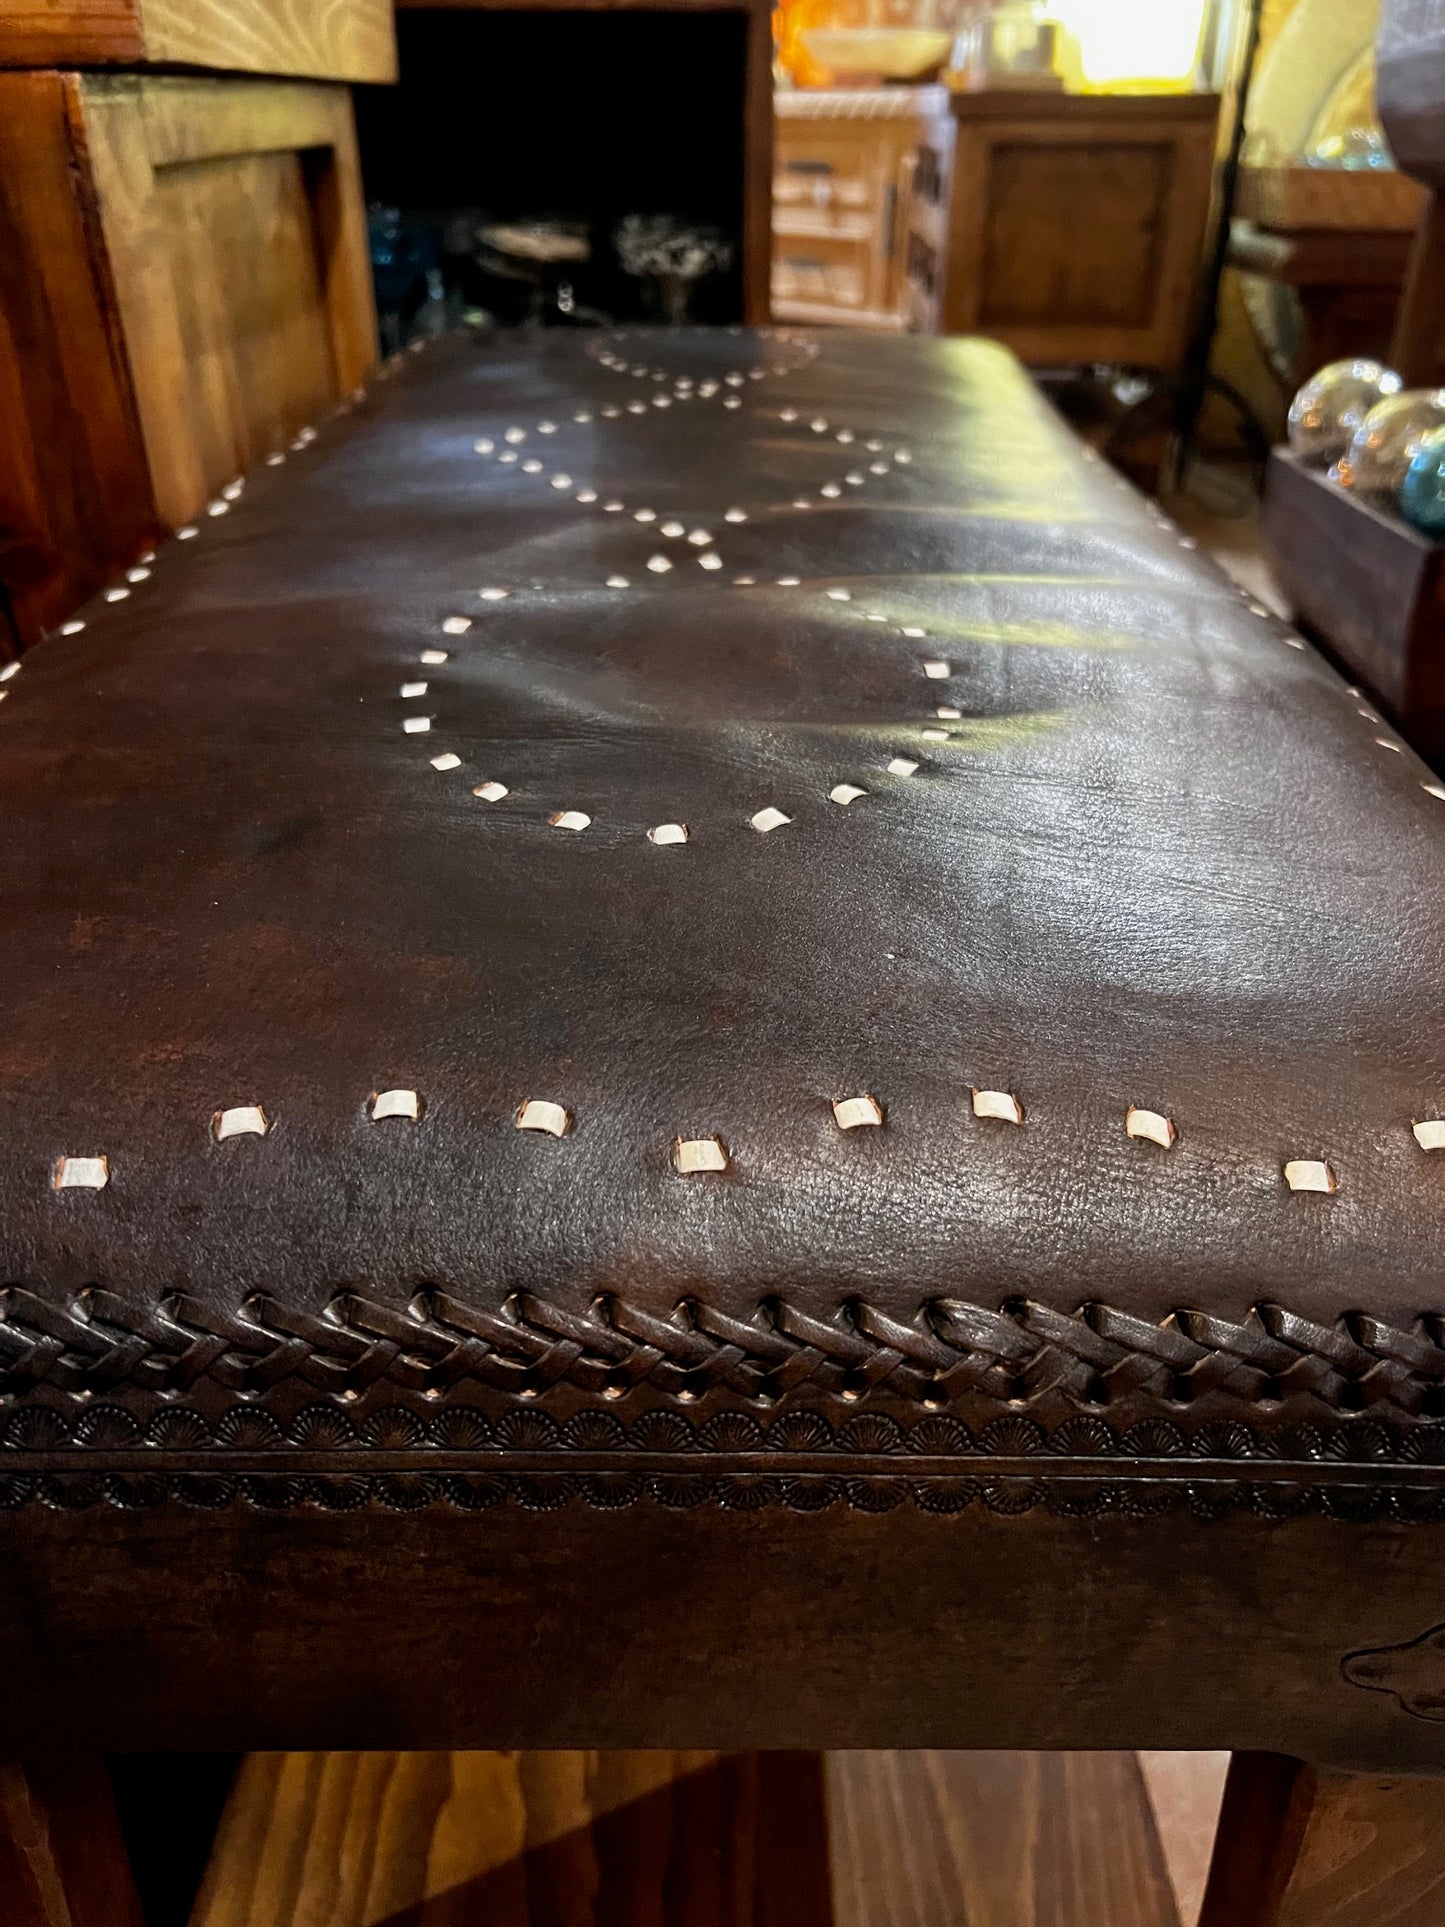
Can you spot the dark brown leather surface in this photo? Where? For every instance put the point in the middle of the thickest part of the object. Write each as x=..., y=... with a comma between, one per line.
x=1161, y=859
x=1162, y=862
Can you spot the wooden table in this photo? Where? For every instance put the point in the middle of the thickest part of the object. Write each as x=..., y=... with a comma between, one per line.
x=1348, y=280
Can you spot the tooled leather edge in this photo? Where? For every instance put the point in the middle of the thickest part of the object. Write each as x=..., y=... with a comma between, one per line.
x=800, y=1460
x=444, y=1403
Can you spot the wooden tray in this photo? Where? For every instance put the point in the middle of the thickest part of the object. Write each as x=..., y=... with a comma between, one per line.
x=1328, y=197
x=1369, y=585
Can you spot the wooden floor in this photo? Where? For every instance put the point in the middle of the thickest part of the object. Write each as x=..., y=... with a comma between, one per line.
x=1219, y=505
x=994, y=1840
x=708, y=1840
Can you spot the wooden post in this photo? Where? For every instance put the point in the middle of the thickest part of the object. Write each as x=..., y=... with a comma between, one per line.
x=1301, y=1848
x=1418, y=351
x=62, y=1860
x=1410, y=95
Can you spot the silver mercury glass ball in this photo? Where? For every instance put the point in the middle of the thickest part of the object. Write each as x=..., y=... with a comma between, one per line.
x=1388, y=439
x=1329, y=408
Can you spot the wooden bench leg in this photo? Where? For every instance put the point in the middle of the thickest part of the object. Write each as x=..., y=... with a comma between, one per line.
x=62, y=1860
x=1301, y=1848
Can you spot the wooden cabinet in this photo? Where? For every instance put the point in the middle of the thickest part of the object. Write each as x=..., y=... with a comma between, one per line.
x=188, y=286
x=841, y=180
x=186, y=280
x=234, y=231
x=925, y=221
x=1076, y=225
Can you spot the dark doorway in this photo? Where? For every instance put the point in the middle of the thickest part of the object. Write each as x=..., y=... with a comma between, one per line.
x=570, y=118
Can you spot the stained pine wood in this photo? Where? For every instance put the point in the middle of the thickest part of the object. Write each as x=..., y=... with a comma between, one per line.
x=332, y=40
x=253, y=333
x=1077, y=223
x=75, y=496
x=520, y=1840
x=1185, y=1791
x=994, y=1840
x=1300, y=1848
x=35, y=33
x=234, y=229
x=186, y=283
x=62, y=1862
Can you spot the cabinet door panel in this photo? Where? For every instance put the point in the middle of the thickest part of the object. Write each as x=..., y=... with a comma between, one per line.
x=256, y=360
x=190, y=286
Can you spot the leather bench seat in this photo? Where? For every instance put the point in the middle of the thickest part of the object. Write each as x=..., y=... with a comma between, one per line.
x=508, y=1243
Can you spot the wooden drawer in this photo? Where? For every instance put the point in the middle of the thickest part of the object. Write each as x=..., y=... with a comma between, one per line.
x=1337, y=199
x=820, y=272
x=189, y=286
x=825, y=175
x=838, y=187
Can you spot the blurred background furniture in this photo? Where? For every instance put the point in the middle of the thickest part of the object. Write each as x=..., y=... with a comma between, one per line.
x=842, y=180
x=186, y=281
x=349, y=41
x=568, y=120
x=1410, y=90
x=1076, y=225
x=1319, y=220
x=1358, y=577
x=1348, y=281
x=1341, y=238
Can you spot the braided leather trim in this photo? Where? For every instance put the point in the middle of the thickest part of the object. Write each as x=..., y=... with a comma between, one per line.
x=1015, y=1354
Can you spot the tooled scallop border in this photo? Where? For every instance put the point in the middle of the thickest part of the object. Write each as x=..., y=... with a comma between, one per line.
x=403, y=1461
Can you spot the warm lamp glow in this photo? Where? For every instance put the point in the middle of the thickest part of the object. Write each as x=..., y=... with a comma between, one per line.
x=1128, y=41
